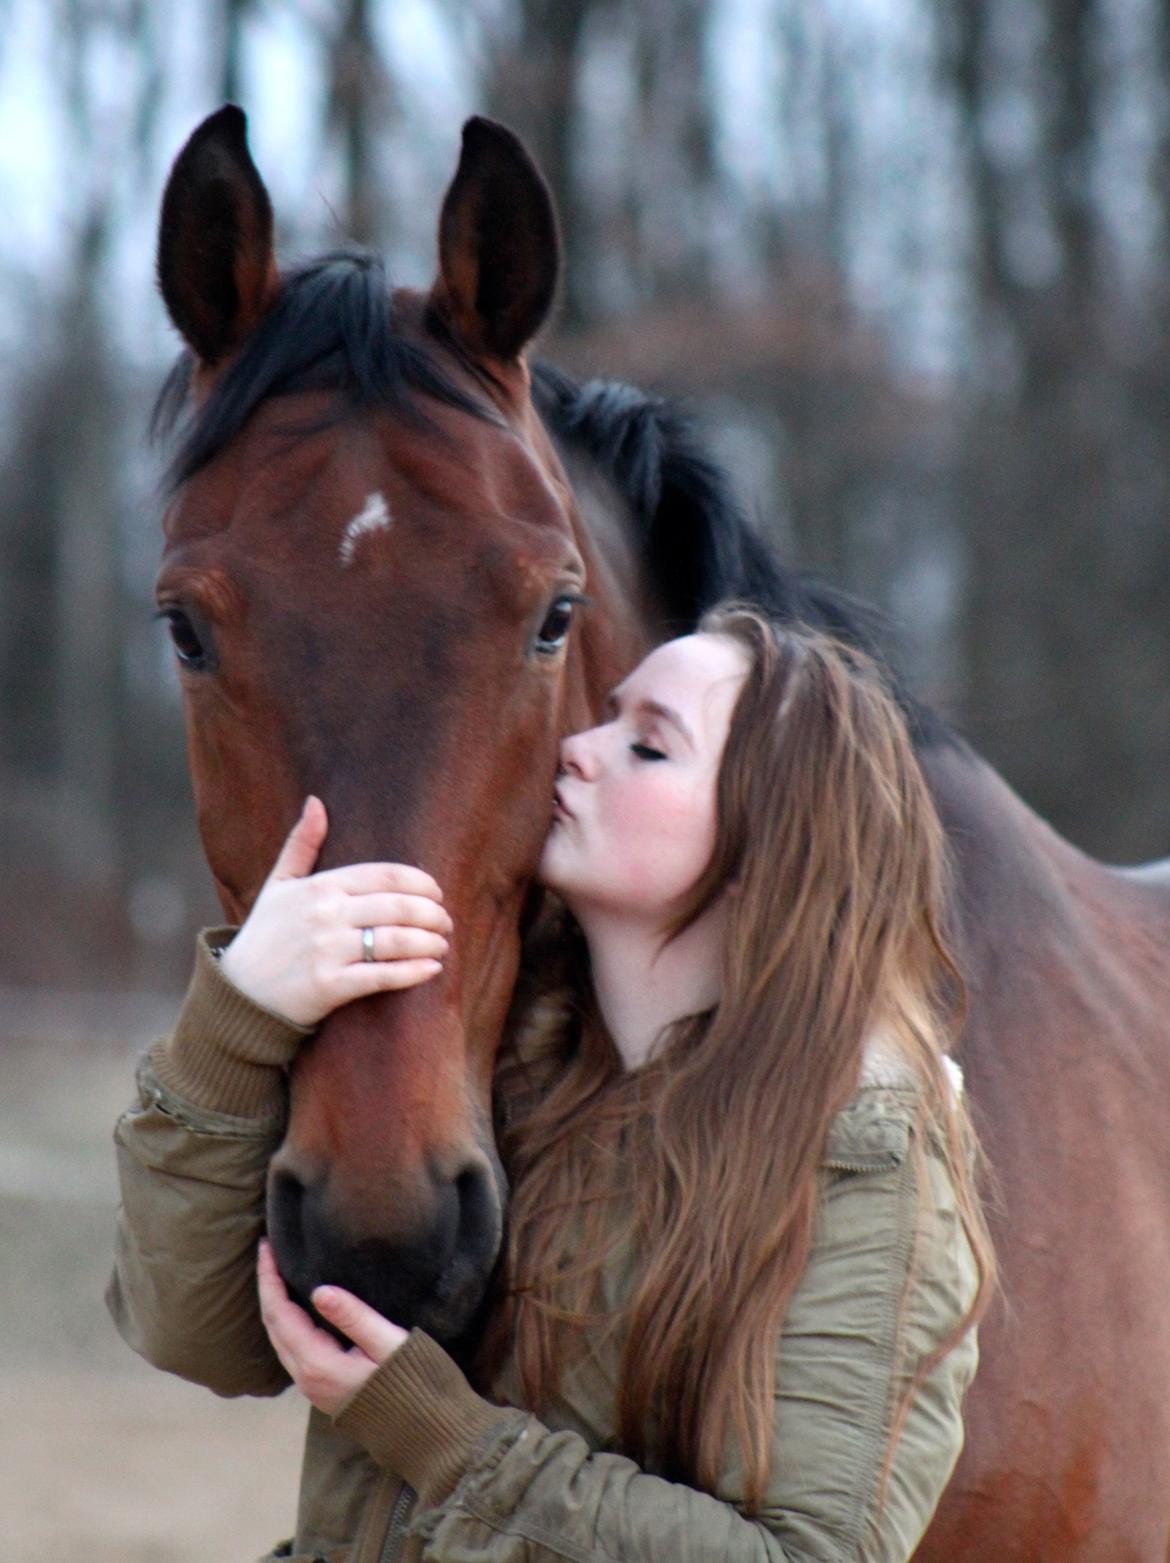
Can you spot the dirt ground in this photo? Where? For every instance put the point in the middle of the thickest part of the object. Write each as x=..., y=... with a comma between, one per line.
x=102, y=1458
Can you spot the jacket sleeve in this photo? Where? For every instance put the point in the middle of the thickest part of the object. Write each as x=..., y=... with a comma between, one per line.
x=193, y=1154
x=890, y=1277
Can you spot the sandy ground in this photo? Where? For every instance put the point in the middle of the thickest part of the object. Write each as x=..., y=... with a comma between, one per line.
x=103, y=1459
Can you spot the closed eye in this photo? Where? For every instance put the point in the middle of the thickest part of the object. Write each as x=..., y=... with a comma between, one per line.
x=647, y=752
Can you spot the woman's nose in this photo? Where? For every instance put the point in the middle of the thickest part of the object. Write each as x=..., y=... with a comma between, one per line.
x=578, y=756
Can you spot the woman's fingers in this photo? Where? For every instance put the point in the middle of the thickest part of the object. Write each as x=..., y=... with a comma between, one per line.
x=395, y=911
x=377, y=878
x=396, y=943
x=290, y=1329
x=365, y=1326
x=320, y=1368
x=303, y=842
x=366, y=977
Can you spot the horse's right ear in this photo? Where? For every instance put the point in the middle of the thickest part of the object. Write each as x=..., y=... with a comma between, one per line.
x=216, y=267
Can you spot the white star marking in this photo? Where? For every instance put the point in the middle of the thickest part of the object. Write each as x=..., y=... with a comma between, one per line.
x=372, y=517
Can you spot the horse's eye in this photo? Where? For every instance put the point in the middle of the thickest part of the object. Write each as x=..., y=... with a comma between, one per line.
x=188, y=647
x=553, y=632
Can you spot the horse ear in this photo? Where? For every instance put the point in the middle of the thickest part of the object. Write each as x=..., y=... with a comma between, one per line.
x=216, y=269
x=499, y=252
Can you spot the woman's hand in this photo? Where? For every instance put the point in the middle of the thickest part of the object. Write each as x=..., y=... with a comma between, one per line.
x=300, y=952
x=324, y=1371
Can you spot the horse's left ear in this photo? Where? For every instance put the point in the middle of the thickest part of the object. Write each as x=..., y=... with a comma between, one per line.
x=499, y=252
x=216, y=268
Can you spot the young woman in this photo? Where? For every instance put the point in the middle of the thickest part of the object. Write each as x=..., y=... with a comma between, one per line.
x=745, y=1255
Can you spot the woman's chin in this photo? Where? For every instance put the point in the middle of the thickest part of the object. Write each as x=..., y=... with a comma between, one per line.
x=554, y=877
x=550, y=871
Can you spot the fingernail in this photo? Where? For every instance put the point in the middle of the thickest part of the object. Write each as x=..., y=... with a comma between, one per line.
x=323, y=1298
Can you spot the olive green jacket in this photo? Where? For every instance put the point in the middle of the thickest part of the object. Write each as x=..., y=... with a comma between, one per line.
x=889, y=1278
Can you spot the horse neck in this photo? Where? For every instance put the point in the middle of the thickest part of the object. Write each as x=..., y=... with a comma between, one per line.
x=1040, y=928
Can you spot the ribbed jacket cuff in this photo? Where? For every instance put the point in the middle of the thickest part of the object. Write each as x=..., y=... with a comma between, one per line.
x=420, y=1418
x=227, y=1054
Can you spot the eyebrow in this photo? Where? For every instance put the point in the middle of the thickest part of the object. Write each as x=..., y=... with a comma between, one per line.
x=654, y=708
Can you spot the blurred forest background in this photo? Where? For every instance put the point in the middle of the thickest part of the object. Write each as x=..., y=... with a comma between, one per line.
x=909, y=259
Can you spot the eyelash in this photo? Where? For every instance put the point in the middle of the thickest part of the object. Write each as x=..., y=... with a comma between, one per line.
x=646, y=752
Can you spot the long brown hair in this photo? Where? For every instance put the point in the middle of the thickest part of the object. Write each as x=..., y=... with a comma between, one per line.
x=706, y=1161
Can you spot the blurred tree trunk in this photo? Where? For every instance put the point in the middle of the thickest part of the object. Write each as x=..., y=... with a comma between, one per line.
x=967, y=63
x=1069, y=137
x=28, y=642
x=1156, y=387
x=673, y=182
x=360, y=106
x=88, y=618
x=231, y=19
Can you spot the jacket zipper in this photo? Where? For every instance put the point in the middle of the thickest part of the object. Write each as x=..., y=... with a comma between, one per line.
x=396, y=1529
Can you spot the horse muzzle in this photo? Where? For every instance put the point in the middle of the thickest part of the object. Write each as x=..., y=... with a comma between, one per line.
x=428, y=1268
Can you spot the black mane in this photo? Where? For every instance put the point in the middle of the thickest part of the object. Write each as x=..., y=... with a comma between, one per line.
x=698, y=543
x=332, y=328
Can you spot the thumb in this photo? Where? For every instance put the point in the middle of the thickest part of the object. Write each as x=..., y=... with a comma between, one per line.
x=365, y=1326
x=303, y=842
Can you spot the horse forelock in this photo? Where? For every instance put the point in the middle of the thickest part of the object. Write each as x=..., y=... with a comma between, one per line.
x=333, y=327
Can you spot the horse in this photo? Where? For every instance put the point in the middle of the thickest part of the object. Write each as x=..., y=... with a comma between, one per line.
x=399, y=564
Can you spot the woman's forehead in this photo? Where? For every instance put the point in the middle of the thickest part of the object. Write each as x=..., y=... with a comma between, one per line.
x=698, y=660
x=694, y=673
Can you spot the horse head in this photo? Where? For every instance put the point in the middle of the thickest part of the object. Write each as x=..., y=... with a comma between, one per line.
x=372, y=570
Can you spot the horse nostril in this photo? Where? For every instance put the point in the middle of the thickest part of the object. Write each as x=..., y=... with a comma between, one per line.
x=289, y=1192
x=478, y=1209
x=286, y=1220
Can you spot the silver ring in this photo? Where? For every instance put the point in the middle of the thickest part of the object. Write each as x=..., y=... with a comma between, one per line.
x=368, y=945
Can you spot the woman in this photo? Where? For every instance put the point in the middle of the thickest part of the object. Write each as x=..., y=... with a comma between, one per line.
x=745, y=1255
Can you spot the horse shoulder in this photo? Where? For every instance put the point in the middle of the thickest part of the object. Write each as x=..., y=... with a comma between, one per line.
x=1066, y=1053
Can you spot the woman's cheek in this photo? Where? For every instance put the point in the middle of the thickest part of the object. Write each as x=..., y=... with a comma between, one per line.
x=669, y=839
